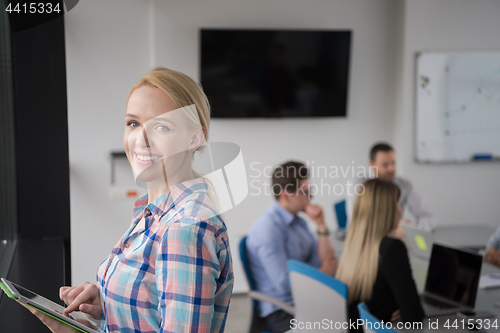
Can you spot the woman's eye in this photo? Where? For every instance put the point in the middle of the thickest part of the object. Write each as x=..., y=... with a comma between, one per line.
x=133, y=124
x=162, y=128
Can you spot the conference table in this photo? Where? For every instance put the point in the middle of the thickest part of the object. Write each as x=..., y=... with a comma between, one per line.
x=472, y=237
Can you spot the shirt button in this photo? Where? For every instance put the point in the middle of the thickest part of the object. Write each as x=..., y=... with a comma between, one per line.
x=147, y=212
x=127, y=245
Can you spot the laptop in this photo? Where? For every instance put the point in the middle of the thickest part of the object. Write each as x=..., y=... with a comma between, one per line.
x=419, y=241
x=452, y=280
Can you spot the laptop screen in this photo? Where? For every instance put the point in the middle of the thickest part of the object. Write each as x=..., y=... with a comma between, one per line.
x=454, y=274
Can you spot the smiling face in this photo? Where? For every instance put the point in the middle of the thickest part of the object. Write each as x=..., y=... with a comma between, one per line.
x=158, y=139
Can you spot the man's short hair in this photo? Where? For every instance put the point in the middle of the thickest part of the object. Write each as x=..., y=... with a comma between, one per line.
x=286, y=177
x=379, y=147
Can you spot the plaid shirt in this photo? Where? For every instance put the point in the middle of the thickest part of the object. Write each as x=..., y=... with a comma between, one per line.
x=174, y=275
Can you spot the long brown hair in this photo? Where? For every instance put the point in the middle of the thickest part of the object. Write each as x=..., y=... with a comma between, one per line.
x=374, y=217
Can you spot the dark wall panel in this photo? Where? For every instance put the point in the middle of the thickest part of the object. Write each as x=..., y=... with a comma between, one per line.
x=41, y=127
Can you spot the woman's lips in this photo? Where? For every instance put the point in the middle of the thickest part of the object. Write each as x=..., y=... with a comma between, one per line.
x=146, y=159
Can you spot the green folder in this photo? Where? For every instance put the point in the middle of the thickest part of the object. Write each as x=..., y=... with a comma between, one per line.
x=421, y=244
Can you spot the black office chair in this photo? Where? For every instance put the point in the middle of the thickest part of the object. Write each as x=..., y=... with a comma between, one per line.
x=257, y=324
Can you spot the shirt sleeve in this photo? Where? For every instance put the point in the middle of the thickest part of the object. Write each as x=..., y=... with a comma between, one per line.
x=273, y=257
x=103, y=326
x=99, y=284
x=314, y=260
x=187, y=269
x=396, y=269
x=419, y=210
x=494, y=240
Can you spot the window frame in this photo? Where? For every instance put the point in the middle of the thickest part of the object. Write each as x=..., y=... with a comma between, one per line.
x=8, y=188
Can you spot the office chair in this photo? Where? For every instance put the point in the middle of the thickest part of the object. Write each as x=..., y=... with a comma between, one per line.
x=340, y=211
x=316, y=297
x=372, y=324
x=257, y=324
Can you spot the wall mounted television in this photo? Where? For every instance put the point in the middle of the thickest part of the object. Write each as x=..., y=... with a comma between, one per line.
x=275, y=73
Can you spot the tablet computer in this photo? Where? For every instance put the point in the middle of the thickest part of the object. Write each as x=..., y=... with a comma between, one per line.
x=48, y=307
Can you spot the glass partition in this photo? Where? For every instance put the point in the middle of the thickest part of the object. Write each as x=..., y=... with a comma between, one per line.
x=8, y=197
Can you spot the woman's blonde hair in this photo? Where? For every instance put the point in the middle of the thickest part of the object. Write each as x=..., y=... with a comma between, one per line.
x=374, y=216
x=184, y=91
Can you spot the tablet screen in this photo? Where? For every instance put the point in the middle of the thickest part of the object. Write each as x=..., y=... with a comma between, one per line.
x=34, y=298
x=39, y=299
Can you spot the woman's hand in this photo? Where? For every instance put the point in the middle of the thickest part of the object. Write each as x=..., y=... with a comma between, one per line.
x=84, y=297
x=53, y=324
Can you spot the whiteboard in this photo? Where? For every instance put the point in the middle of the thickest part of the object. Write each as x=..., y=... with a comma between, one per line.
x=457, y=106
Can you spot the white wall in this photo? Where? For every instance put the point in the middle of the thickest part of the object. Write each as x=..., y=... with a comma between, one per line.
x=457, y=194
x=111, y=43
x=108, y=48
x=106, y=51
x=270, y=142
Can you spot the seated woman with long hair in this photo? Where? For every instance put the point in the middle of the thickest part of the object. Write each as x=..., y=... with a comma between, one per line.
x=374, y=265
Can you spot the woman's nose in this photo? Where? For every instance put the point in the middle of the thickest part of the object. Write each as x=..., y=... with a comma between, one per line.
x=145, y=137
x=139, y=138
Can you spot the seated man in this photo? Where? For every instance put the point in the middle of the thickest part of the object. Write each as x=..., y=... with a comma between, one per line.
x=383, y=165
x=280, y=234
x=492, y=255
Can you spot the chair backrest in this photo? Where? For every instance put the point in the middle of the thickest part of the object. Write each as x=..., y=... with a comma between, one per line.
x=370, y=323
x=317, y=297
x=244, y=261
x=246, y=266
x=257, y=324
x=340, y=212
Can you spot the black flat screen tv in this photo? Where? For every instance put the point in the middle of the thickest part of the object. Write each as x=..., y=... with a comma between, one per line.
x=275, y=73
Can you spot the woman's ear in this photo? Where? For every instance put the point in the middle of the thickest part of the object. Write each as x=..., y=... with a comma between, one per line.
x=197, y=140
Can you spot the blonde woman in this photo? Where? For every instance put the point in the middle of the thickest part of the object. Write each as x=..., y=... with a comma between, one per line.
x=172, y=269
x=374, y=265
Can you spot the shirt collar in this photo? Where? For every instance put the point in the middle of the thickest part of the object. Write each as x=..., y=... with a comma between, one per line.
x=166, y=201
x=285, y=215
